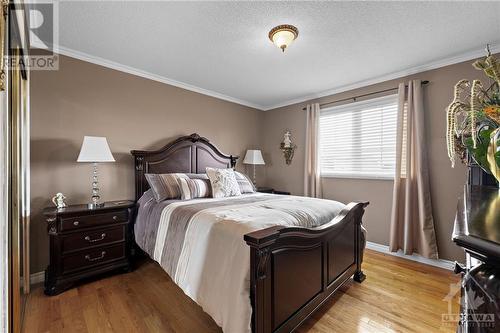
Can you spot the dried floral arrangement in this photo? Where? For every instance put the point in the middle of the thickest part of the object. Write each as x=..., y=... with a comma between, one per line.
x=473, y=119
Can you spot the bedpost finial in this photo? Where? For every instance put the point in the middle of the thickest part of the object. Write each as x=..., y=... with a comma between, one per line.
x=195, y=137
x=233, y=160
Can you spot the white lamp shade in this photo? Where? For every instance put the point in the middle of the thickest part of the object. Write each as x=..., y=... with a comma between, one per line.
x=95, y=149
x=254, y=157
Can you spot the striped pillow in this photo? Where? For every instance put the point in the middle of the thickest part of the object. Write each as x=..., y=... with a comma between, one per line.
x=165, y=186
x=194, y=188
x=197, y=176
x=246, y=185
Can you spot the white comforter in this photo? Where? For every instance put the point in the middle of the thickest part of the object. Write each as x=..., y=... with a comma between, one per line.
x=214, y=261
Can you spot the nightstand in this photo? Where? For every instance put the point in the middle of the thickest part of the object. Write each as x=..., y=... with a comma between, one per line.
x=87, y=242
x=271, y=190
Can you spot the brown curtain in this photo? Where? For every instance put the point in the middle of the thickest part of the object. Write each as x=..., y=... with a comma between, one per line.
x=312, y=181
x=412, y=224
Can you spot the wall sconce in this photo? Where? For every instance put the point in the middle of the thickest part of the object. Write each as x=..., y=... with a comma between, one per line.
x=287, y=147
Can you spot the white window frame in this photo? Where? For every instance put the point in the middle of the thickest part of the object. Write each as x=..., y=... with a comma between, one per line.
x=366, y=103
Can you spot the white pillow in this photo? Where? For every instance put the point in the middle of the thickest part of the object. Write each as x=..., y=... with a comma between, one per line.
x=224, y=183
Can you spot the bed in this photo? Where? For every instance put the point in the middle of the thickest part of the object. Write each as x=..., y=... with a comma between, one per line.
x=256, y=262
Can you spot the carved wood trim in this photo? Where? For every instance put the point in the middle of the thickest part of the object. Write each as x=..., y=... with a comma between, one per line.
x=51, y=225
x=262, y=259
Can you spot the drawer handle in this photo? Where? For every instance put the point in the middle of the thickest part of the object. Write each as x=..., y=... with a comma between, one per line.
x=115, y=217
x=76, y=223
x=103, y=253
x=87, y=238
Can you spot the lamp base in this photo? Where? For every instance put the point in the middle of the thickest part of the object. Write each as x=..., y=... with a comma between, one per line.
x=95, y=199
x=95, y=205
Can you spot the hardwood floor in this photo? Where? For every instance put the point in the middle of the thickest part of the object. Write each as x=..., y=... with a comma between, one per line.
x=397, y=296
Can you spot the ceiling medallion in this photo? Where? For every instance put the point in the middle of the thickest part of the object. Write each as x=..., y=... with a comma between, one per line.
x=283, y=35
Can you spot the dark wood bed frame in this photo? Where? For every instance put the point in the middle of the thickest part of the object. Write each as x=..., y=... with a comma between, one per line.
x=293, y=270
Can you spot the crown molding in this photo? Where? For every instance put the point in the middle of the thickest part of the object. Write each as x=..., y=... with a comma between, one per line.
x=147, y=75
x=466, y=56
x=478, y=53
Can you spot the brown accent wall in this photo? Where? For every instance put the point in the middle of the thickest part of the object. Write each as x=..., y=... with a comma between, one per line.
x=133, y=113
x=446, y=183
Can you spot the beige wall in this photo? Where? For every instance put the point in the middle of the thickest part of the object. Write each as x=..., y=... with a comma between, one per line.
x=446, y=183
x=133, y=113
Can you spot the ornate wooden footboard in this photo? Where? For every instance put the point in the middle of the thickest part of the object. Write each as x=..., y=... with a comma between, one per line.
x=294, y=270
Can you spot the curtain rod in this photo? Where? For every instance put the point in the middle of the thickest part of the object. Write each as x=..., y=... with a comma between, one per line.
x=364, y=95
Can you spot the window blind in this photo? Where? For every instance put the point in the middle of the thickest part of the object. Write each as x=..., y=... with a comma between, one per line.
x=358, y=140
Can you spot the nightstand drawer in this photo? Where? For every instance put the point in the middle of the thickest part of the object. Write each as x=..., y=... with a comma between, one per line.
x=93, y=220
x=87, y=239
x=93, y=257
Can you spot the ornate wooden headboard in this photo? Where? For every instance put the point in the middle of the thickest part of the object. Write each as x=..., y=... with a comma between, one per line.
x=187, y=154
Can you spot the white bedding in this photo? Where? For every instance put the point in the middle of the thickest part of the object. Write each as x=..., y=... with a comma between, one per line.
x=213, y=261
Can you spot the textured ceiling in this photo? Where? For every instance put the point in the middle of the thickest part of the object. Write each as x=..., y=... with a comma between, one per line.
x=222, y=47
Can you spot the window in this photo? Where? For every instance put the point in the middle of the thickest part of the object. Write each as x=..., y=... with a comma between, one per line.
x=358, y=140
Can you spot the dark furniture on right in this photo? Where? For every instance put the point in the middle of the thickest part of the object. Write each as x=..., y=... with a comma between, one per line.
x=477, y=231
x=293, y=270
x=476, y=175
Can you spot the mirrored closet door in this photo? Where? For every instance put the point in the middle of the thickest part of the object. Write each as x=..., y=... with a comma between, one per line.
x=16, y=168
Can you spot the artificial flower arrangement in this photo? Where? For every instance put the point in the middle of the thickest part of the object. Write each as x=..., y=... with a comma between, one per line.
x=473, y=119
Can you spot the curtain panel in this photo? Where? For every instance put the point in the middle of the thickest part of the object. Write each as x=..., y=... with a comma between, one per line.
x=312, y=180
x=412, y=224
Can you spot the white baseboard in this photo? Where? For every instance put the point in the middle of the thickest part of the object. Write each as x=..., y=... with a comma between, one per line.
x=441, y=263
x=37, y=277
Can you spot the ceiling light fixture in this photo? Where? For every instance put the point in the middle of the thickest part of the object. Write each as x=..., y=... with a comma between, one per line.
x=283, y=35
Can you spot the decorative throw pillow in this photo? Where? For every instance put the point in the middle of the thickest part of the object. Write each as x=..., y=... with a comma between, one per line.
x=194, y=188
x=245, y=184
x=224, y=183
x=165, y=186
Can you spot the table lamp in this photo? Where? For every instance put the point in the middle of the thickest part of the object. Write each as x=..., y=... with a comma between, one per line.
x=95, y=150
x=254, y=157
